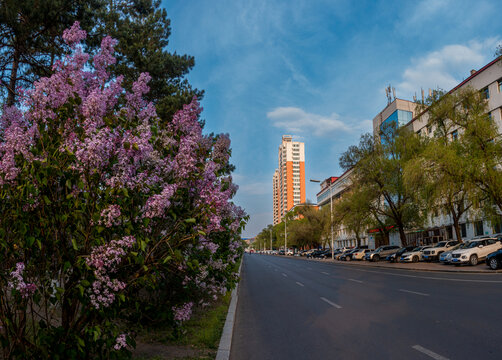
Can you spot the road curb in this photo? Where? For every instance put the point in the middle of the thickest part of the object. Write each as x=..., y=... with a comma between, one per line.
x=228, y=329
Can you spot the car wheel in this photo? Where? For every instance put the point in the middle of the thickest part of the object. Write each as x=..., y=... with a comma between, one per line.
x=376, y=258
x=347, y=258
x=493, y=263
x=415, y=259
x=473, y=260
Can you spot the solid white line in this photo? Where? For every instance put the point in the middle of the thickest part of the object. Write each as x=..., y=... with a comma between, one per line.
x=432, y=354
x=331, y=303
x=325, y=273
x=299, y=283
x=430, y=277
x=413, y=292
x=357, y=281
x=284, y=275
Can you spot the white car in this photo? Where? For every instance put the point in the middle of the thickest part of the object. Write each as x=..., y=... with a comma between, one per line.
x=414, y=255
x=359, y=254
x=476, y=250
x=445, y=257
x=434, y=252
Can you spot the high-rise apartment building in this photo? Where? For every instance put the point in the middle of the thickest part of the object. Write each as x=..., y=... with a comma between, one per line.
x=289, y=178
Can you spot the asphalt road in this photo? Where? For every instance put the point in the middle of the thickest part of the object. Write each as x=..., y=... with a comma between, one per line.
x=291, y=308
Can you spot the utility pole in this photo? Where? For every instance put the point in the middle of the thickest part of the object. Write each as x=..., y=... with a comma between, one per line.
x=285, y=233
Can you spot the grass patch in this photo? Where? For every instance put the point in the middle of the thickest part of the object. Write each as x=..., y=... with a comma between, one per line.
x=199, y=340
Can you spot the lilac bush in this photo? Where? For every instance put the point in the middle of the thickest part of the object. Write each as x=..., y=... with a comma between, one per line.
x=109, y=212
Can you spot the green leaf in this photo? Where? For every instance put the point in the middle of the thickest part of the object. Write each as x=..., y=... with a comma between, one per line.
x=74, y=243
x=191, y=220
x=68, y=184
x=29, y=241
x=46, y=200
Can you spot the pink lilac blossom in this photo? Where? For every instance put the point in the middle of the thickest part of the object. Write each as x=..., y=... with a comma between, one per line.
x=74, y=35
x=109, y=216
x=17, y=282
x=120, y=342
x=183, y=313
x=104, y=260
x=157, y=205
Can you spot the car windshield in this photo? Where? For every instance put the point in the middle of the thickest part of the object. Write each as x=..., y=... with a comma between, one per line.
x=441, y=244
x=473, y=244
x=418, y=248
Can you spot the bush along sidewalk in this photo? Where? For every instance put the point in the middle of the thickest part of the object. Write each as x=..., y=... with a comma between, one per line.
x=108, y=215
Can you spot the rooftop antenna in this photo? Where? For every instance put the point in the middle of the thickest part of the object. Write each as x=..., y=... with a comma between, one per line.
x=388, y=94
x=394, y=92
x=415, y=97
x=423, y=98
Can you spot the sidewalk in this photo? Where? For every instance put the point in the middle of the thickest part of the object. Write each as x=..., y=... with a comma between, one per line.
x=481, y=268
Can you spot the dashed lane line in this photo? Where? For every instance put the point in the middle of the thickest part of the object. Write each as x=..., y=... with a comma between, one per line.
x=357, y=281
x=428, y=352
x=325, y=273
x=331, y=303
x=284, y=275
x=299, y=283
x=414, y=292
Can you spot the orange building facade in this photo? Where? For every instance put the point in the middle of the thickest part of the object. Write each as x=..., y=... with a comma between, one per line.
x=289, y=178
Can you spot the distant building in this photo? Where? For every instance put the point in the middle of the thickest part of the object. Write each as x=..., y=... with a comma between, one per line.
x=289, y=178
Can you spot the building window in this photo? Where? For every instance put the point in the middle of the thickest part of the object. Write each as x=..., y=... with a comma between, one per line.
x=500, y=85
x=454, y=135
x=486, y=92
x=463, y=230
x=478, y=228
x=497, y=226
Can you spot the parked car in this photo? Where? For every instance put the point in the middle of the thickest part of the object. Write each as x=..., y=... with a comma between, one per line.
x=359, y=254
x=445, y=257
x=434, y=252
x=395, y=257
x=315, y=253
x=381, y=252
x=475, y=251
x=347, y=255
x=414, y=255
x=494, y=260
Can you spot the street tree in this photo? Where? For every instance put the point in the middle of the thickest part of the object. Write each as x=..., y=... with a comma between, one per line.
x=30, y=39
x=437, y=176
x=353, y=210
x=378, y=165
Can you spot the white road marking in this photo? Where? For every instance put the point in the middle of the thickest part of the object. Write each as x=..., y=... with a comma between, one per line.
x=331, y=303
x=299, y=283
x=284, y=275
x=325, y=273
x=357, y=281
x=413, y=292
x=431, y=277
x=430, y=353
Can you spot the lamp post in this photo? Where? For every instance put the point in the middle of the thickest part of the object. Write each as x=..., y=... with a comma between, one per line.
x=285, y=233
x=330, y=216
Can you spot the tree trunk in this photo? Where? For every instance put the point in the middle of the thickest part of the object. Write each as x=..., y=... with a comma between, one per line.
x=456, y=225
x=11, y=97
x=402, y=235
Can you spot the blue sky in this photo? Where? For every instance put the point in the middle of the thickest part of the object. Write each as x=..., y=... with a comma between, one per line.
x=317, y=69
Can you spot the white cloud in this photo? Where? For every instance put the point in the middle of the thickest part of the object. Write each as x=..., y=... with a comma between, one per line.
x=446, y=67
x=296, y=120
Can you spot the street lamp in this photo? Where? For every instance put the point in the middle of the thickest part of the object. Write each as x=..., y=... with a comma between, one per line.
x=330, y=216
